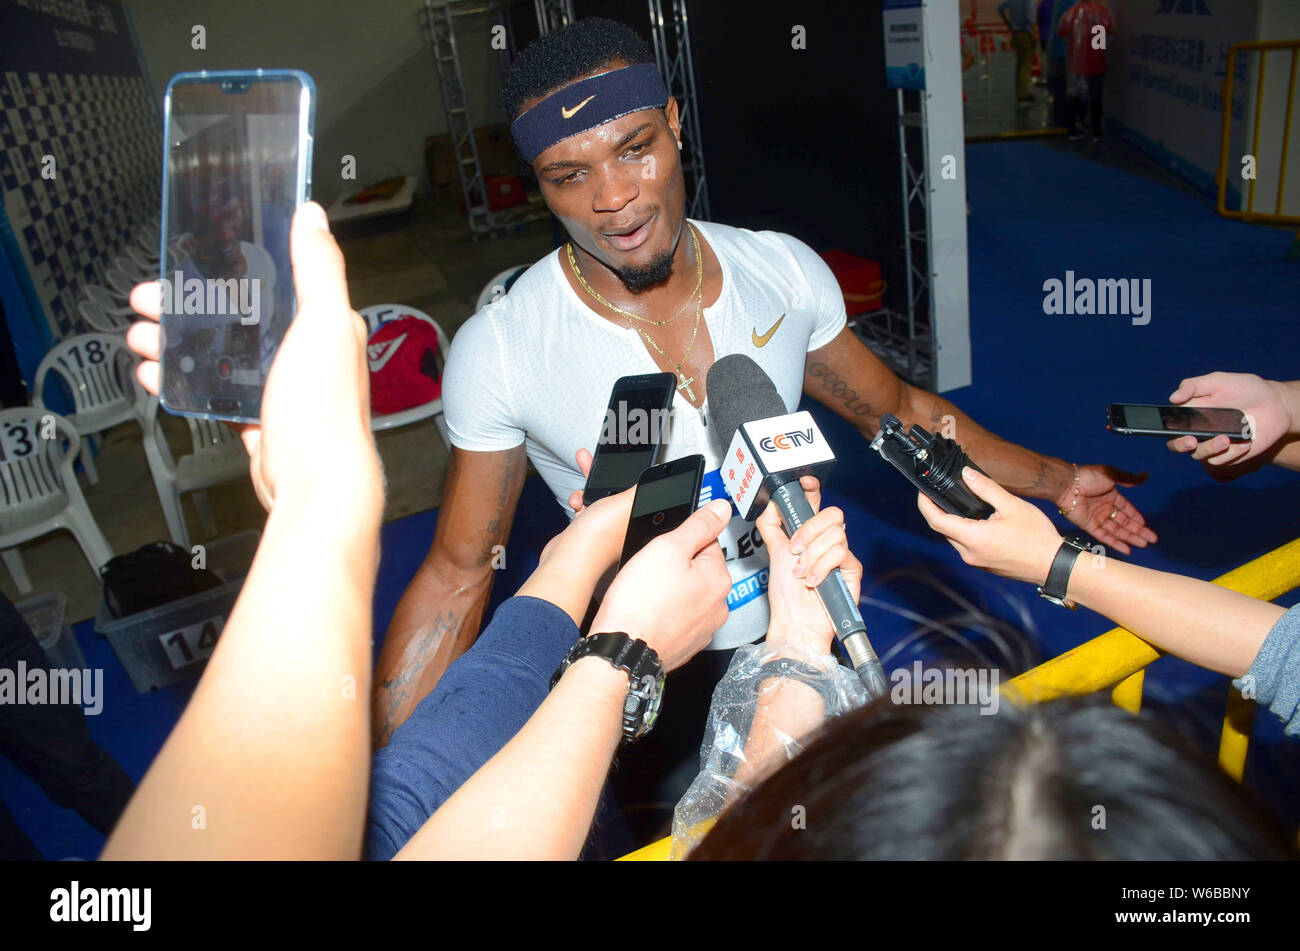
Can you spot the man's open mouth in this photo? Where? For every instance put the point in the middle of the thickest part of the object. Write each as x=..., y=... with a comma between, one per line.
x=630, y=236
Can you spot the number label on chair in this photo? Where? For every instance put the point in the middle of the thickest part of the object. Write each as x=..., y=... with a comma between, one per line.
x=18, y=441
x=189, y=645
x=94, y=353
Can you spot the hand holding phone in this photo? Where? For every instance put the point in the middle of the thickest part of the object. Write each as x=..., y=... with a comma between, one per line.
x=312, y=441
x=1271, y=407
x=673, y=593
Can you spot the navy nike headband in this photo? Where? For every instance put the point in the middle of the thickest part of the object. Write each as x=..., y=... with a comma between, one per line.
x=587, y=104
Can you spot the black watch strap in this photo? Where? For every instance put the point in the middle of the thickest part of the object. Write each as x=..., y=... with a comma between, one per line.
x=645, y=675
x=1058, y=576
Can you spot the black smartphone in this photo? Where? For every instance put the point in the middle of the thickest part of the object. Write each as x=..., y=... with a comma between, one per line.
x=1203, y=422
x=635, y=424
x=666, y=495
x=238, y=164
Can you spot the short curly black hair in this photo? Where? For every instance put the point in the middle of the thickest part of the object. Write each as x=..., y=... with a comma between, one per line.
x=556, y=59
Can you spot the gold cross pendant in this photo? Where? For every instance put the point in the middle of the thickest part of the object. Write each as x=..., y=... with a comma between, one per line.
x=686, y=385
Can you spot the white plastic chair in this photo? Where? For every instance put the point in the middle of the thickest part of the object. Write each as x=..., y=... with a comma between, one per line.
x=105, y=321
x=100, y=373
x=497, y=287
x=141, y=258
x=136, y=272
x=120, y=283
x=378, y=314
x=39, y=493
x=218, y=456
x=107, y=300
x=147, y=261
x=148, y=235
x=106, y=297
x=106, y=311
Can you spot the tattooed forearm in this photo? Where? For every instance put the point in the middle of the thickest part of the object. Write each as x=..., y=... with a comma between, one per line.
x=1016, y=468
x=397, y=689
x=839, y=390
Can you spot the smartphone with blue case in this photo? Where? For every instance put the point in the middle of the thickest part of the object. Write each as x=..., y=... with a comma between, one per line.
x=237, y=164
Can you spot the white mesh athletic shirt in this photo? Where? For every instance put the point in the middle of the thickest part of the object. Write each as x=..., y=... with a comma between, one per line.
x=537, y=366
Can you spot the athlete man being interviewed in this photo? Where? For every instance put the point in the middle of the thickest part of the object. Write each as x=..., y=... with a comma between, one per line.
x=639, y=288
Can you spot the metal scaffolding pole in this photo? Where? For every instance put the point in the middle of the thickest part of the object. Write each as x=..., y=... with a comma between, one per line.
x=678, y=70
x=440, y=18
x=906, y=341
x=916, y=246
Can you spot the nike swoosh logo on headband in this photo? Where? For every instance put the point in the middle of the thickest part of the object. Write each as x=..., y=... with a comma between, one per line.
x=570, y=113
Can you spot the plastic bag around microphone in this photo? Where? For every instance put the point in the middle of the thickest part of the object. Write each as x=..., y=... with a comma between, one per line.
x=728, y=733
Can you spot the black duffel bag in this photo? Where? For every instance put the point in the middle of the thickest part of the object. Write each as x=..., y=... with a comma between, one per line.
x=152, y=575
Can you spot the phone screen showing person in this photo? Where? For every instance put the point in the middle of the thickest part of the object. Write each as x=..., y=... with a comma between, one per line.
x=237, y=166
x=634, y=426
x=666, y=495
x=1204, y=422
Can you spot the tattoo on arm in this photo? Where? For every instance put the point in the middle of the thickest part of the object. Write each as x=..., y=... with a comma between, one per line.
x=501, y=518
x=398, y=688
x=839, y=390
x=1040, y=480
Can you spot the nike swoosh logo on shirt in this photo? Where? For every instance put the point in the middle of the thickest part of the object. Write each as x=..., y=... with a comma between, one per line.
x=380, y=353
x=762, y=341
x=570, y=113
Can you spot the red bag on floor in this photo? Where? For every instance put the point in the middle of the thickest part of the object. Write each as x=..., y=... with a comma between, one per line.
x=859, y=280
x=405, y=365
x=505, y=191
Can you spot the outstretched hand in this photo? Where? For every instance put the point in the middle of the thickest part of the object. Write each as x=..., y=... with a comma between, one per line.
x=1102, y=512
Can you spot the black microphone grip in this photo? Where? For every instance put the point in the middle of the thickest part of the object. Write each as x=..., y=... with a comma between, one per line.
x=793, y=505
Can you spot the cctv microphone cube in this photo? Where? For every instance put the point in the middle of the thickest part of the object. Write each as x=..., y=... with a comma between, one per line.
x=768, y=453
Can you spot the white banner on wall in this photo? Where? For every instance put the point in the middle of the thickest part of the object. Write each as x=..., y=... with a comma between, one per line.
x=1165, y=74
x=904, y=50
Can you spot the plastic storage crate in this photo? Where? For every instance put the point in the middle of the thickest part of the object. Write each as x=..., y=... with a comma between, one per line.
x=46, y=615
x=172, y=642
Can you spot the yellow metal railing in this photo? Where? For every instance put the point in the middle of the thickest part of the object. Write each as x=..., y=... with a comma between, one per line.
x=1248, y=213
x=1117, y=660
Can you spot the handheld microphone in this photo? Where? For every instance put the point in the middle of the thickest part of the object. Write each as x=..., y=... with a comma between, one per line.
x=767, y=451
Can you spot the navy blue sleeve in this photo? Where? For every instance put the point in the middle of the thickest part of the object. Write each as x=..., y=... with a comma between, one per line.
x=480, y=703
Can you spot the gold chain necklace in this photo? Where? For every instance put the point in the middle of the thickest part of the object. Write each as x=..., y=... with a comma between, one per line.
x=699, y=282
x=685, y=383
x=698, y=295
